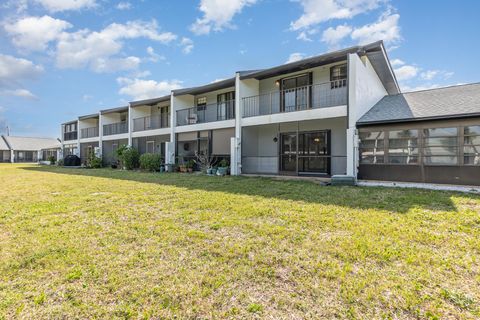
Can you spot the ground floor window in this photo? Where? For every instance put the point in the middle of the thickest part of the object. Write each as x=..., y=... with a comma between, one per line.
x=471, y=145
x=46, y=154
x=449, y=145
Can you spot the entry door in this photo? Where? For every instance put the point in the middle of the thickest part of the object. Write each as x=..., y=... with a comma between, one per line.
x=295, y=93
x=288, y=153
x=314, y=152
x=305, y=153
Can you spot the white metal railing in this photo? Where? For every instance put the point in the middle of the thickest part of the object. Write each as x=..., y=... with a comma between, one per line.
x=208, y=113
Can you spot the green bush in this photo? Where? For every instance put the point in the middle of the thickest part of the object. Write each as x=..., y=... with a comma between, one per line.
x=129, y=158
x=60, y=162
x=94, y=161
x=51, y=159
x=150, y=162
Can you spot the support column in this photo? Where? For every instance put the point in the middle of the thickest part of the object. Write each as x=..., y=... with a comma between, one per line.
x=100, y=133
x=12, y=156
x=236, y=142
x=170, y=146
x=130, y=125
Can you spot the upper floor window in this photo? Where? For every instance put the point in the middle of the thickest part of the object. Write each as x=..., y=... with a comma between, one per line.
x=338, y=76
x=71, y=127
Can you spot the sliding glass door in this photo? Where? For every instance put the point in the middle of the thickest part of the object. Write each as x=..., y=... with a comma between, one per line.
x=305, y=153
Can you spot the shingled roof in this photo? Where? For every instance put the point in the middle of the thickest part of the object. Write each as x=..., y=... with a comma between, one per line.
x=449, y=102
x=31, y=144
x=3, y=144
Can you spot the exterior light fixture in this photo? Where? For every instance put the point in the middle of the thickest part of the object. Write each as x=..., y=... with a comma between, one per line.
x=275, y=139
x=277, y=83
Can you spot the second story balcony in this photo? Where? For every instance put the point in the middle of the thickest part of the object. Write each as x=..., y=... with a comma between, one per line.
x=72, y=135
x=207, y=113
x=159, y=121
x=115, y=128
x=323, y=95
x=89, y=132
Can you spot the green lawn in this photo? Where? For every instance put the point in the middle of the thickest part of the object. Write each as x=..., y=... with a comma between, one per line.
x=78, y=243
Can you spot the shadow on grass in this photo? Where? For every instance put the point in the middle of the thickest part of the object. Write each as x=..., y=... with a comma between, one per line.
x=390, y=199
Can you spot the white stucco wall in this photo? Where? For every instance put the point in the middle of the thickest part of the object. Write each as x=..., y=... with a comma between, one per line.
x=260, y=154
x=365, y=90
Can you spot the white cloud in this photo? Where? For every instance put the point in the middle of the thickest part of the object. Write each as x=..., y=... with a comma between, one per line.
x=396, y=62
x=153, y=56
x=13, y=72
x=296, y=56
x=429, y=74
x=64, y=5
x=98, y=50
x=14, y=69
x=21, y=93
x=332, y=36
x=187, y=45
x=318, y=11
x=386, y=29
x=406, y=72
x=305, y=35
x=218, y=14
x=140, y=89
x=124, y=5
x=34, y=33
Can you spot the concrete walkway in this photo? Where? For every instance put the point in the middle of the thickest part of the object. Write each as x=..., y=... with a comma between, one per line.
x=429, y=186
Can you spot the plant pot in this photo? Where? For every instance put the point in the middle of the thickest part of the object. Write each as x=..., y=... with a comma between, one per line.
x=190, y=170
x=162, y=168
x=214, y=171
x=221, y=171
x=183, y=169
x=209, y=171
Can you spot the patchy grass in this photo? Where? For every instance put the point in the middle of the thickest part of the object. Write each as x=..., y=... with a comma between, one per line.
x=112, y=244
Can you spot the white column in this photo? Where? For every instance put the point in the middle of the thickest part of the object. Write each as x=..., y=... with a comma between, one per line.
x=236, y=143
x=12, y=156
x=78, y=139
x=170, y=147
x=130, y=126
x=100, y=133
x=352, y=116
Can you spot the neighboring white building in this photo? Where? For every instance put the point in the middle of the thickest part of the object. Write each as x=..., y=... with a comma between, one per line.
x=28, y=149
x=299, y=118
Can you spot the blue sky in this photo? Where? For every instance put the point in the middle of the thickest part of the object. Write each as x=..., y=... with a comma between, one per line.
x=63, y=58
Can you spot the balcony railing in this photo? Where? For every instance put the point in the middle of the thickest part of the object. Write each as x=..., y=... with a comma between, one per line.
x=329, y=94
x=208, y=113
x=151, y=122
x=115, y=128
x=89, y=132
x=70, y=136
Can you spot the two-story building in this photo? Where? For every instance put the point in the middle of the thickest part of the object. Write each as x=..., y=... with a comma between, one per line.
x=321, y=116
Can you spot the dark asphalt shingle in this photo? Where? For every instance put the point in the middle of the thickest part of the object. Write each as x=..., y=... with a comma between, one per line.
x=435, y=103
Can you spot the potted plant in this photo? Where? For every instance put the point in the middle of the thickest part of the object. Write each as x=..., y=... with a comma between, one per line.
x=205, y=162
x=190, y=165
x=222, y=167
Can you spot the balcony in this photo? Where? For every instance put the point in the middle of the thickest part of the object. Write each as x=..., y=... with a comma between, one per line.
x=208, y=113
x=70, y=136
x=151, y=122
x=89, y=132
x=115, y=128
x=323, y=95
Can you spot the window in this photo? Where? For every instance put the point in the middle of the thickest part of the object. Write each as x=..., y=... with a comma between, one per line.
x=471, y=145
x=372, y=147
x=225, y=105
x=403, y=146
x=441, y=146
x=150, y=146
x=338, y=76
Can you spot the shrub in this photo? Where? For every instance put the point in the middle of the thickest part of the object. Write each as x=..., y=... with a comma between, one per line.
x=51, y=159
x=94, y=161
x=60, y=162
x=223, y=163
x=129, y=158
x=150, y=162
